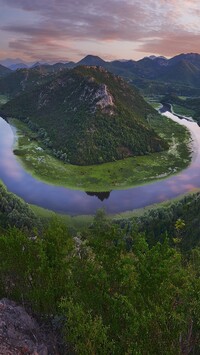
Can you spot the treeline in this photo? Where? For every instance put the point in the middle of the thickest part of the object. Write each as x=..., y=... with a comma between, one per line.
x=15, y=212
x=157, y=222
x=41, y=135
x=107, y=289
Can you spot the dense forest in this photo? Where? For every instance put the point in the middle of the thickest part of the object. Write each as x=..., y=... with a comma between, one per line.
x=85, y=116
x=114, y=287
x=15, y=212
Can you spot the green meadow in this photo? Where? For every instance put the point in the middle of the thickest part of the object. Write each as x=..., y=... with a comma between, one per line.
x=120, y=174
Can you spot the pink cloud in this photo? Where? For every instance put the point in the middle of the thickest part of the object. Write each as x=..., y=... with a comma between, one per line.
x=153, y=26
x=170, y=44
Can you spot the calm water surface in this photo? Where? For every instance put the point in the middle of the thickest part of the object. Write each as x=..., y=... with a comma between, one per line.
x=75, y=202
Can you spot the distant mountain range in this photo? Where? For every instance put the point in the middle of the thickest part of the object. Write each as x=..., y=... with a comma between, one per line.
x=18, y=66
x=152, y=75
x=18, y=63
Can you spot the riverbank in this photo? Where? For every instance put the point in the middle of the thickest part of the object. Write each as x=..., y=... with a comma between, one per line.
x=118, y=175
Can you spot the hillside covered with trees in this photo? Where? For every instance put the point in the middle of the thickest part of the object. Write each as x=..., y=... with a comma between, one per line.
x=23, y=80
x=89, y=116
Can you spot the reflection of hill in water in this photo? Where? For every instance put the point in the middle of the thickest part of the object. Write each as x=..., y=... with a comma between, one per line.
x=100, y=195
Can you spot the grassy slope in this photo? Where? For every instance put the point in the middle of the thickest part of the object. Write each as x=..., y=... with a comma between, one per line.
x=73, y=222
x=105, y=177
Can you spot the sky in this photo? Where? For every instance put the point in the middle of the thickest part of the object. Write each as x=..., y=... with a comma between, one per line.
x=64, y=30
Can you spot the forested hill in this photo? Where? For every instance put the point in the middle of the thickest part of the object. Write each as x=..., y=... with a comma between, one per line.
x=23, y=80
x=4, y=71
x=89, y=115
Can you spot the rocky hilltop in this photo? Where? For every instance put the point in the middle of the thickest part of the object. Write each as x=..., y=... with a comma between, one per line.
x=88, y=116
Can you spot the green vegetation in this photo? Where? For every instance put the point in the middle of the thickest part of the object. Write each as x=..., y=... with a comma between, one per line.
x=105, y=177
x=15, y=212
x=154, y=101
x=88, y=116
x=107, y=289
x=181, y=110
x=23, y=80
x=4, y=71
x=160, y=220
x=140, y=273
x=182, y=72
x=3, y=100
x=180, y=75
x=72, y=222
x=187, y=106
x=194, y=104
x=109, y=286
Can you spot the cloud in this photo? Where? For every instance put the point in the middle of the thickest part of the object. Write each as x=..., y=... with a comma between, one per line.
x=58, y=25
x=105, y=20
x=171, y=44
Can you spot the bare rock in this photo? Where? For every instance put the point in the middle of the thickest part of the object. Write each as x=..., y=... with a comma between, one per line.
x=21, y=334
x=104, y=97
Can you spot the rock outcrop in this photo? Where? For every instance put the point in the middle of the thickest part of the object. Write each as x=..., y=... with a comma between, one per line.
x=21, y=334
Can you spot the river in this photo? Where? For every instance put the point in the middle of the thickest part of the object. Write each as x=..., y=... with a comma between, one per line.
x=73, y=202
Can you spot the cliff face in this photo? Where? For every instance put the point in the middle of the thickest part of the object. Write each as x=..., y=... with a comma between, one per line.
x=21, y=334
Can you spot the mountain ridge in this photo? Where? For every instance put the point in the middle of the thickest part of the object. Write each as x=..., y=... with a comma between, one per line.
x=152, y=75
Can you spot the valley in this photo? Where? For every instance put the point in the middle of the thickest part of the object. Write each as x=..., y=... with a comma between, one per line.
x=100, y=177
x=123, y=230
x=46, y=145
x=64, y=200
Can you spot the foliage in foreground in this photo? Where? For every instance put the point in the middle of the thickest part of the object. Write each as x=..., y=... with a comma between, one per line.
x=157, y=222
x=15, y=212
x=115, y=293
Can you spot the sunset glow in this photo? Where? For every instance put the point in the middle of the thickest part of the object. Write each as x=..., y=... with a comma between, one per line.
x=69, y=30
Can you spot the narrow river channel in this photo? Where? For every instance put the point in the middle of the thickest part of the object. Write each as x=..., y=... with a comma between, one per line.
x=73, y=202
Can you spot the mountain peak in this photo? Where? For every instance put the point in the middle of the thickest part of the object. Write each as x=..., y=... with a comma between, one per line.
x=91, y=60
x=18, y=66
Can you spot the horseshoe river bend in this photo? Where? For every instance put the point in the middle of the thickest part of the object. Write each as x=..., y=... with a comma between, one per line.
x=74, y=202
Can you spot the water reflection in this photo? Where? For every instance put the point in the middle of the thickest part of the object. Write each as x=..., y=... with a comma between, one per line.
x=100, y=195
x=75, y=202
